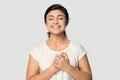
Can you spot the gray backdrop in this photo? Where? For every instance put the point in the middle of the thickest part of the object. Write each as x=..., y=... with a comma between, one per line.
x=93, y=23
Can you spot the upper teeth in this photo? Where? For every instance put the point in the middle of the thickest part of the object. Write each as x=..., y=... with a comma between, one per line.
x=55, y=27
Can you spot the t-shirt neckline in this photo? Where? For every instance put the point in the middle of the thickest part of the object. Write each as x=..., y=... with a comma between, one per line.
x=53, y=51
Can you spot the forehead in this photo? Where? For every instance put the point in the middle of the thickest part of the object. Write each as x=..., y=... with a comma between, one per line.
x=55, y=13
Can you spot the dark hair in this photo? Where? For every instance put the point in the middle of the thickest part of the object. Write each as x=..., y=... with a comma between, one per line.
x=64, y=34
x=57, y=7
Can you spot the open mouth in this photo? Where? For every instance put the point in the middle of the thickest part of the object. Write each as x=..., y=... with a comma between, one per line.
x=55, y=27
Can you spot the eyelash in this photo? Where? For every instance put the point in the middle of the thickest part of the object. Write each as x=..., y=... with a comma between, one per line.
x=60, y=18
x=50, y=19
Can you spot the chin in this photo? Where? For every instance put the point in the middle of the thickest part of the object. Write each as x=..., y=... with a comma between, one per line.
x=56, y=33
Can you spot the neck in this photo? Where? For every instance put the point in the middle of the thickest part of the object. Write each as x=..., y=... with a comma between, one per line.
x=57, y=40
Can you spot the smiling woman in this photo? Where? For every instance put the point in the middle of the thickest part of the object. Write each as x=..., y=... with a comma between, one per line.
x=64, y=14
x=58, y=58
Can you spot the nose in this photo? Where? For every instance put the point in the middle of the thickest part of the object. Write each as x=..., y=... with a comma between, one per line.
x=55, y=21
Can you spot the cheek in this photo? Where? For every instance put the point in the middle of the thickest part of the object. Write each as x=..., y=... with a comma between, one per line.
x=63, y=23
x=48, y=23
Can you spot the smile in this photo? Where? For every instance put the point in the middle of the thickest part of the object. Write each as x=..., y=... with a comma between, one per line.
x=55, y=27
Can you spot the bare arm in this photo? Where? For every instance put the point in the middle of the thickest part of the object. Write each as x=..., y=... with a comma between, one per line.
x=33, y=71
x=84, y=72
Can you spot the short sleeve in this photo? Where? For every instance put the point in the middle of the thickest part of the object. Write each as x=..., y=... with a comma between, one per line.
x=81, y=51
x=34, y=52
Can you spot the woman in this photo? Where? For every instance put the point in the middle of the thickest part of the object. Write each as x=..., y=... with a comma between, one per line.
x=58, y=58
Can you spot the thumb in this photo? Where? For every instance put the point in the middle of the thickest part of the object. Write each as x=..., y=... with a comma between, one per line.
x=65, y=55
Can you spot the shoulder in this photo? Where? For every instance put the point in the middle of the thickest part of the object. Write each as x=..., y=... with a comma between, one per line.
x=79, y=49
x=37, y=46
x=76, y=44
x=36, y=50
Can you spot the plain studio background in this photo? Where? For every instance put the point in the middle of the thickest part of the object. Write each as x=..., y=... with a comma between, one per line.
x=93, y=23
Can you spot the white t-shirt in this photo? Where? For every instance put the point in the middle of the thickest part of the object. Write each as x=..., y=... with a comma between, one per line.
x=45, y=56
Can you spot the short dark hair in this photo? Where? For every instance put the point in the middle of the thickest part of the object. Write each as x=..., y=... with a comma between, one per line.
x=57, y=7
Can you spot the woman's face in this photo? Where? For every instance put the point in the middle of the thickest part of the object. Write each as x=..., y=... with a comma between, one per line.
x=56, y=22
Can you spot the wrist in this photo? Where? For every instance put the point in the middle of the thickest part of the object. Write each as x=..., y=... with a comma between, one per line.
x=53, y=70
x=68, y=68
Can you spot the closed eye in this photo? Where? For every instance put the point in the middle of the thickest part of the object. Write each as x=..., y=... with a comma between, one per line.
x=50, y=18
x=61, y=18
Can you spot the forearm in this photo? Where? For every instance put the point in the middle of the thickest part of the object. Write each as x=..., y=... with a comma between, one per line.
x=78, y=75
x=45, y=75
